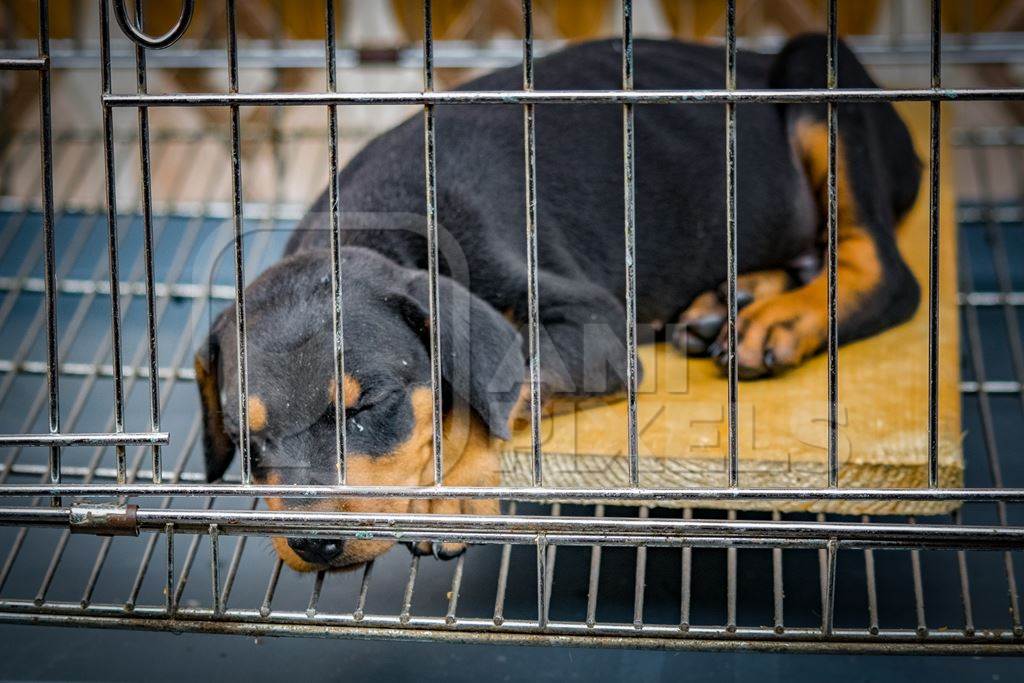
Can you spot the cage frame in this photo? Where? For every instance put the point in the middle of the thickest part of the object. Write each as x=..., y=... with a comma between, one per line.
x=543, y=533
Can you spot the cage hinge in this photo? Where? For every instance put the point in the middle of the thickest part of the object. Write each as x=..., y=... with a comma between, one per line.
x=105, y=520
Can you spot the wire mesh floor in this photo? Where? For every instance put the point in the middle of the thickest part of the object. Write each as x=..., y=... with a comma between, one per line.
x=638, y=597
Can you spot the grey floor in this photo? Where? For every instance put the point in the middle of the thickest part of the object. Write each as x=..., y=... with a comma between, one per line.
x=31, y=653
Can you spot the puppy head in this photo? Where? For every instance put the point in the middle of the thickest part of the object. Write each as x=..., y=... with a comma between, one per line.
x=386, y=384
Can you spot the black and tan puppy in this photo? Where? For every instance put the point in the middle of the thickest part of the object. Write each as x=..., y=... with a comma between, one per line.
x=680, y=211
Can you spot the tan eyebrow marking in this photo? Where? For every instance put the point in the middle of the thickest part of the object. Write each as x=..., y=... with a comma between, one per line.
x=257, y=413
x=351, y=387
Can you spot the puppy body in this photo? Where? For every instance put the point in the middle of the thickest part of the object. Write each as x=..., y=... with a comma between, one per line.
x=482, y=291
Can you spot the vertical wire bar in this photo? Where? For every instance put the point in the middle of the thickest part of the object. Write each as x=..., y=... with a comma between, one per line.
x=430, y=178
x=822, y=576
x=410, y=585
x=832, y=54
x=828, y=603
x=364, y=586
x=236, y=562
x=869, y=575
x=46, y=169
x=778, y=594
x=686, y=583
x=170, y=604
x=51, y=569
x=629, y=222
x=915, y=566
x=965, y=583
x=215, y=567
x=730, y=583
x=542, y=617
x=549, y=568
x=268, y=597
x=640, y=579
x=94, y=574
x=595, y=576
x=733, y=462
x=499, y=597
x=236, y=215
x=453, y=594
x=112, y=241
x=318, y=582
x=933, y=248
x=503, y=565
x=147, y=238
x=340, y=445
x=533, y=306
x=190, y=557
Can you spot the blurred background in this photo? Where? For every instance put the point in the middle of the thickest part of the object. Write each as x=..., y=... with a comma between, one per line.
x=281, y=50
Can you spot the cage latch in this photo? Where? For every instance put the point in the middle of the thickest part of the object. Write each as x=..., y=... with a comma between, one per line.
x=105, y=520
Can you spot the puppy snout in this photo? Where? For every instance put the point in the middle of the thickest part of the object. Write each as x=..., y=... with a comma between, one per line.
x=317, y=550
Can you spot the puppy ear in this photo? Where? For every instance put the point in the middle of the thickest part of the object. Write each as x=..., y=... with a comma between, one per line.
x=217, y=445
x=481, y=352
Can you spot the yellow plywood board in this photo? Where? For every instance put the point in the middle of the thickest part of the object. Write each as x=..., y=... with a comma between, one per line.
x=782, y=423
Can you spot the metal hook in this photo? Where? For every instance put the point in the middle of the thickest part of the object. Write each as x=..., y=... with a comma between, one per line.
x=160, y=42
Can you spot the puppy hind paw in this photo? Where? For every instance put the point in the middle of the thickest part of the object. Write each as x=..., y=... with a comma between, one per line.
x=701, y=328
x=773, y=336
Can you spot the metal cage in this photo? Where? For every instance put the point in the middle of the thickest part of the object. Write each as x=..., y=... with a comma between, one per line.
x=697, y=579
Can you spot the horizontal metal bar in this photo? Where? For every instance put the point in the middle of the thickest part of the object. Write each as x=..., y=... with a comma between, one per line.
x=183, y=290
x=538, y=494
x=89, y=369
x=113, y=439
x=564, y=97
x=23, y=64
x=378, y=622
x=991, y=386
x=975, y=48
x=1008, y=216
x=282, y=211
x=980, y=299
x=475, y=630
x=187, y=290
x=188, y=374
x=993, y=136
x=560, y=530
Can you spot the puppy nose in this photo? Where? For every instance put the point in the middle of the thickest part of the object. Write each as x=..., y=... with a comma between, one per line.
x=317, y=550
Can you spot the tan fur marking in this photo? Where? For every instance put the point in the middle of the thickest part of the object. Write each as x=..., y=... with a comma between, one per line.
x=856, y=256
x=353, y=390
x=762, y=283
x=210, y=396
x=470, y=459
x=257, y=413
